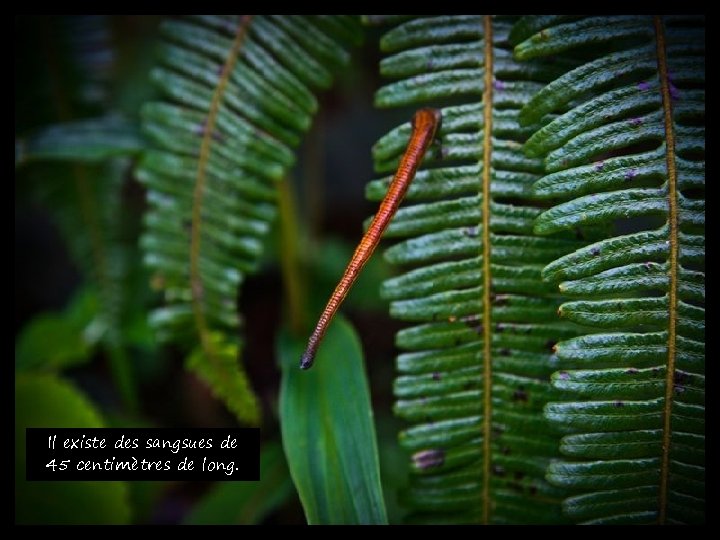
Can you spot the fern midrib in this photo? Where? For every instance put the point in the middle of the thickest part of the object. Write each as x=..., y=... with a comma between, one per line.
x=674, y=248
x=487, y=278
x=196, y=285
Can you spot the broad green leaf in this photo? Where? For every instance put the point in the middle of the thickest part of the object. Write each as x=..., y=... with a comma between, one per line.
x=48, y=401
x=328, y=432
x=53, y=341
x=246, y=503
x=50, y=341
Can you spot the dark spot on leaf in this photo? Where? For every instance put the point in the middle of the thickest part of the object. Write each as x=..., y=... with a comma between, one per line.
x=679, y=389
x=533, y=490
x=680, y=376
x=218, y=136
x=430, y=63
x=471, y=322
x=599, y=165
x=579, y=234
x=629, y=175
x=632, y=371
x=563, y=375
x=444, y=152
x=674, y=92
x=644, y=85
x=550, y=344
x=505, y=450
x=499, y=327
x=637, y=121
x=520, y=395
x=435, y=376
x=498, y=470
x=595, y=251
x=528, y=329
x=504, y=352
x=187, y=225
x=619, y=404
x=497, y=431
x=518, y=475
x=472, y=231
x=197, y=288
x=428, y=459
x=498, y=85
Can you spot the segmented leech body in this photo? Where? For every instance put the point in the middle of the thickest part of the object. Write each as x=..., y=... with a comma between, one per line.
x=425, y=124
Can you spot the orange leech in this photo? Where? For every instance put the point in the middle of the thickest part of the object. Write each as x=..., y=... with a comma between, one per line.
x=425, y=124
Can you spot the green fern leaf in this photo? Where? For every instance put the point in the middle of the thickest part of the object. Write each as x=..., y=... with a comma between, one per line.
x=474, y=371
x=629, y=146
x=90, y=140
x=238, y=97
x=83, y=189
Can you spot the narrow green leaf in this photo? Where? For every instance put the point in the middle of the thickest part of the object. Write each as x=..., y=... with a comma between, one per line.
x=587, y=31
x=431, y=30
x=612, y=252
x=91, y=140
x=328, y=432
x=605, y=474
x=602, y=207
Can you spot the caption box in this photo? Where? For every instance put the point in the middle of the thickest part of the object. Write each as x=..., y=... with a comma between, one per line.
x=142, y=454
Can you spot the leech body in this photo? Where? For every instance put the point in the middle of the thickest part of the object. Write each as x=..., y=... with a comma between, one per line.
x=425, y=124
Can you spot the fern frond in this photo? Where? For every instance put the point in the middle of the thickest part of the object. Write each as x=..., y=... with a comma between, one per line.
x=85, y=198
x=474, y=374
x=630, y=146
x=238, y=97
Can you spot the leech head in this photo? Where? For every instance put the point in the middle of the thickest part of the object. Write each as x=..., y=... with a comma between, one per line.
x=307, y=360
